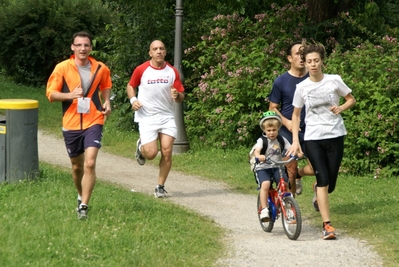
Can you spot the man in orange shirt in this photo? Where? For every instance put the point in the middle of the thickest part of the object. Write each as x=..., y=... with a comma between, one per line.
x=83, y=86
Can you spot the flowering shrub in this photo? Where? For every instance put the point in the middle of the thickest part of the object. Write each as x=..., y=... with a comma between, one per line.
x=237, y=63
x=239, y=60
x=371, y=71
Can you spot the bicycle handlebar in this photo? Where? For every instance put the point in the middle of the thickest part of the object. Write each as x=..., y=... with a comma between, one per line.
x=280, y=162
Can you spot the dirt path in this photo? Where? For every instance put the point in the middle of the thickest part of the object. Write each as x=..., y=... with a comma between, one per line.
x=249, y=245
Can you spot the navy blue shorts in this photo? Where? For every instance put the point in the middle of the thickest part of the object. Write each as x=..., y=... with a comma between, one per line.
x=77, y=141
x=271, y=174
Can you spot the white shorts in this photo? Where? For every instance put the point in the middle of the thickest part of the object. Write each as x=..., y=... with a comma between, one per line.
x=150, y=129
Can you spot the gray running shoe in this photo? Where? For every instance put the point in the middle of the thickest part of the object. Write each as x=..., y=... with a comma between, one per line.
x=79, y=202
x=82, y=212
x=160, y=191
x=298, y=183
x=139, y=157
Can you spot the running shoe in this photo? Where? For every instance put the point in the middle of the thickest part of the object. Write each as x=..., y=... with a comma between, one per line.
x=160, y=191
x=298, y=183
x=328, y=232
x=79, y=202
x=264, y=215
x=139, y=157
x=314, y=200
x=82, y=212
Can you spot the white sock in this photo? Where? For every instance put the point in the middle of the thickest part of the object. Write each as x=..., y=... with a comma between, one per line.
x=79, y=197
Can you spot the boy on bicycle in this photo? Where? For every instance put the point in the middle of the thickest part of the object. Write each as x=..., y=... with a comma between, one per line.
x=269, y=145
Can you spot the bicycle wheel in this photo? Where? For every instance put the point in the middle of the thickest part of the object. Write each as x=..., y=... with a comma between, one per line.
x=291, y=218
x=266, y=226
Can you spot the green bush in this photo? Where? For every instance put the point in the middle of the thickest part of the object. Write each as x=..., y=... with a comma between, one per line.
x=237, y=64
x=126, y=44
x=239, y=60
x=127, y=39
x=36, y=34
x=371, y=71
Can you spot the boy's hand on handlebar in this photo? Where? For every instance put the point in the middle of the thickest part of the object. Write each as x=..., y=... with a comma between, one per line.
x=261, y=158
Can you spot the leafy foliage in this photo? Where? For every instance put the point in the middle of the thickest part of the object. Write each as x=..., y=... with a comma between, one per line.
x=37, y=34
x=127, y=40
x=371, y=71
x=230, y=60
x=126, y=44
x=238, y=62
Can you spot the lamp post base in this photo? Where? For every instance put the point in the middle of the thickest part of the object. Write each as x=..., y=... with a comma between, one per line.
x=180, y=147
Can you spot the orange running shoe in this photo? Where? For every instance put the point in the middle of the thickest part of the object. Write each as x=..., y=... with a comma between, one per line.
x=328, y=232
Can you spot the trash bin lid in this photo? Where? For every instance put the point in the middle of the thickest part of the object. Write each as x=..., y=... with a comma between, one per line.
x=18, y=104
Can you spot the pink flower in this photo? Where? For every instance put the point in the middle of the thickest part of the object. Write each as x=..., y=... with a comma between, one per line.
x=229, y=98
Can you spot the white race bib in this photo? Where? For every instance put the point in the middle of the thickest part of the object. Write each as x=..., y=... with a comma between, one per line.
x=84, y=105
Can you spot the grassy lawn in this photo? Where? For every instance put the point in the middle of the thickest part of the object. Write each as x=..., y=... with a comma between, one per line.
x=40, y=227
x=363, y=207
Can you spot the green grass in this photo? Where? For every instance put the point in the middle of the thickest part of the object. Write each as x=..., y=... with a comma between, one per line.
x=39, y=227
x=364, y=208
x=361, y=206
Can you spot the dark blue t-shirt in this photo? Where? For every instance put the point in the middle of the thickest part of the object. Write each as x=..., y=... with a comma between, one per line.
x=283, y=93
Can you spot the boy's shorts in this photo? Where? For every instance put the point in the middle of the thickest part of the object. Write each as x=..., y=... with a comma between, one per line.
x=77, y=141
x=149, y=130
x=270, y=174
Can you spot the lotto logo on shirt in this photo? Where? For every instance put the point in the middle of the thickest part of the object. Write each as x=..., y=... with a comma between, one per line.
x=159, y=80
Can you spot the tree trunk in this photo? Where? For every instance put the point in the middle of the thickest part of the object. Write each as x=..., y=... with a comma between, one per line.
x=321, y=10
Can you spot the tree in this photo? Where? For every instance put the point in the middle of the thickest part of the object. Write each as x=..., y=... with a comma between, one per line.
x=37, y=34
x=322, y=10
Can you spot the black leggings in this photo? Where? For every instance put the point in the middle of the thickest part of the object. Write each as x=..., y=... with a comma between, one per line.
x=325, y=157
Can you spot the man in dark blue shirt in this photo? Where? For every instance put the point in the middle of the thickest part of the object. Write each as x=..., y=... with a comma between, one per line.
x=281, y=102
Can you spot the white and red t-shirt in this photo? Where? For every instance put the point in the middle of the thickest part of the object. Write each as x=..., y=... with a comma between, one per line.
x=154, y=90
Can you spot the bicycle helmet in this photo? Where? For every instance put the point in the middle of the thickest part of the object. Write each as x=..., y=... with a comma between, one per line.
x=269, y=115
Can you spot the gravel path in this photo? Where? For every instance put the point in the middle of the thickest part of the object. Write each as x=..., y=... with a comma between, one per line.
x=249, y=244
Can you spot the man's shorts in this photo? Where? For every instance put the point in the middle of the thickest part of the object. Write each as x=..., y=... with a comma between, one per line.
x=150, y=129
x=270, y=174
x=77, y=141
